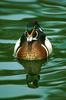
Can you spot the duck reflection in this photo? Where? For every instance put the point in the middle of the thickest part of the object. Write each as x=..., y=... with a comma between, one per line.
x=32, y=69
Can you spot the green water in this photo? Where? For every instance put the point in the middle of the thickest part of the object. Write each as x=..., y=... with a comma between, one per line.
x=51, y=14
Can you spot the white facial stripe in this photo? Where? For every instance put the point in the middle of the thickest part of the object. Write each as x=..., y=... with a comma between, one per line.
x=40, y=29
x=37, y=34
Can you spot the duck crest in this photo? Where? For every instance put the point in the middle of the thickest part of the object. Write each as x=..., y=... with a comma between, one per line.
x=32, y=25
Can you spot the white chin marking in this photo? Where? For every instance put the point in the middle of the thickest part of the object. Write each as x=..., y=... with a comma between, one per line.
x=29, y=39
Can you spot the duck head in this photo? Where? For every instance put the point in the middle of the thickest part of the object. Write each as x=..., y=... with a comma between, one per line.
x=33, y=31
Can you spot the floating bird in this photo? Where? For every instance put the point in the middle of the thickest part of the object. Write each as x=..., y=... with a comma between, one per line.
x=33, y=44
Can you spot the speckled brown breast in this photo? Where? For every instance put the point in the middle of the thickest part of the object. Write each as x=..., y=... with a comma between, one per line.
x=32, y=51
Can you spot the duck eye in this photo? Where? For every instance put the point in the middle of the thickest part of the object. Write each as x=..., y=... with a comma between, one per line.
x=34, y=34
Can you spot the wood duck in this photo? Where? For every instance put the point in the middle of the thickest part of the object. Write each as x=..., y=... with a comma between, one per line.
x=33, y=44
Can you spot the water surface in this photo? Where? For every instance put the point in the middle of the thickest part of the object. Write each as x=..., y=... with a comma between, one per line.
x=14, y=14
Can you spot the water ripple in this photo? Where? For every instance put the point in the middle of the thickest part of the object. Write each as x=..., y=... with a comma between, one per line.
x=16, y=16
x=3, y=41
